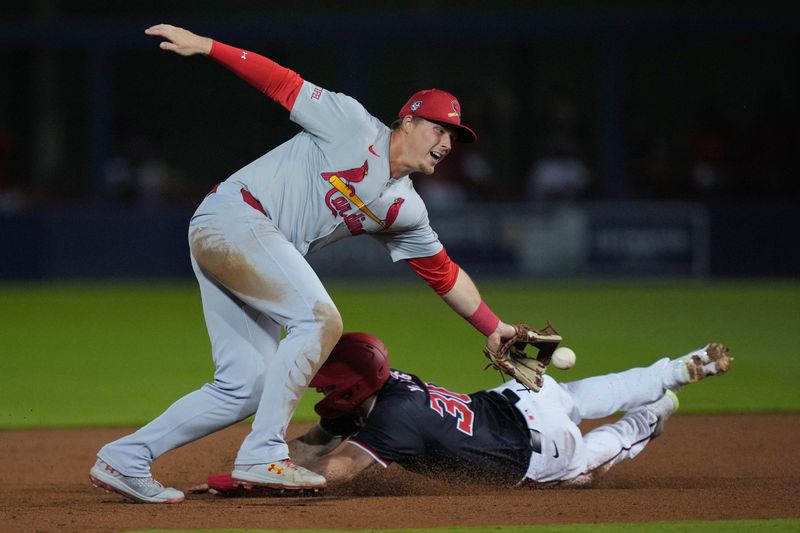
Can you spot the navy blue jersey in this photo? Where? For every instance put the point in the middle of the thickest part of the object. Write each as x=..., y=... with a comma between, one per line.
x=433, y=431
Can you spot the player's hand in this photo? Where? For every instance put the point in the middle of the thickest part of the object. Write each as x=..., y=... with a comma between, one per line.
x=501, y=334
x=180, y=41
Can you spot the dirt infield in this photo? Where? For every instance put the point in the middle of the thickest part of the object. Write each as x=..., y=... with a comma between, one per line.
x=703, y=468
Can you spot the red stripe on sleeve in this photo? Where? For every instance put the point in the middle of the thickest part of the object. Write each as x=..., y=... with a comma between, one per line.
x=277, y=82
x=438, y=271
x=484, y=319
x=378, y=459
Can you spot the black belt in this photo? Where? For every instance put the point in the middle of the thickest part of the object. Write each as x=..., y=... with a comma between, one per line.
x=535, y=436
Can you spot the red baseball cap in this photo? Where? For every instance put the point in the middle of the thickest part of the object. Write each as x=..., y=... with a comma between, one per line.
x=441, y=107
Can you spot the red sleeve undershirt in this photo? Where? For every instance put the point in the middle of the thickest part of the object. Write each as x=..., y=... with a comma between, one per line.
x=441, y=273
x=438, y=271
x=277, y=82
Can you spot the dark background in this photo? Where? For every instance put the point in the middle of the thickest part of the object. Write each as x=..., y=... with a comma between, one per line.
x=114, y=141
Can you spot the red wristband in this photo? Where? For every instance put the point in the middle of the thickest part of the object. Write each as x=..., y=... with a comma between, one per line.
x=484, y=320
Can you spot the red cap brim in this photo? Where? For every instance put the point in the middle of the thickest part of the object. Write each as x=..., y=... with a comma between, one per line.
x=465, y=134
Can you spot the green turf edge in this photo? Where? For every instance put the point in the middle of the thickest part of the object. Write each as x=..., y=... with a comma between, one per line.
x=83, y=368
x=745, y=526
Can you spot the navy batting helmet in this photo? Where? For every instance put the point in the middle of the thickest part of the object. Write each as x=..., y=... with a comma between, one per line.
x=356, y=369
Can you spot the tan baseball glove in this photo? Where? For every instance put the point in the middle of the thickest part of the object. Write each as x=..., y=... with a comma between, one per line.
x=511, y=358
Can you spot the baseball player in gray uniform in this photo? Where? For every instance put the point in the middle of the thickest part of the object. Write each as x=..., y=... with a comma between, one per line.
x=345, y=174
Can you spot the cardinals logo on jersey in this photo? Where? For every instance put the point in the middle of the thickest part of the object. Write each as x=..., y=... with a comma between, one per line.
x=354, y=175
x=341, y=205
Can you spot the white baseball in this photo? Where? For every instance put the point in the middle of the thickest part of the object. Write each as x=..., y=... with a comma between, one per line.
x=563, y=358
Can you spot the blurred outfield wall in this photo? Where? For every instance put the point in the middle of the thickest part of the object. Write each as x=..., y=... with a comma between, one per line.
x=612, y=239
x=85, y=92
x=83, y=87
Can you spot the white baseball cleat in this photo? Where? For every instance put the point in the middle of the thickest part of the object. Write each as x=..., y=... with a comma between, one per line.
x=663, y=409
x=710, y=360
x=138, y=489
x=282, y=474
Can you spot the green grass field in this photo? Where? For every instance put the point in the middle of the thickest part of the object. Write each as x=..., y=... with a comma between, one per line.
x=103, y=354
x=117, y=354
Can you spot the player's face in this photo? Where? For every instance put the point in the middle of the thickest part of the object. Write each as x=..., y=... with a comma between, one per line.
x=429, y=144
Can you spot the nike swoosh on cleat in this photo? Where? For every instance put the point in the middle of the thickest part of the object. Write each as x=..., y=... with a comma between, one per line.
x=556, y=447
x=372, y=150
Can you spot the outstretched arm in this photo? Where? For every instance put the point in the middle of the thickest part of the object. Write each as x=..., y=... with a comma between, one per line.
x=180, y=41
x=460, y=293
x=314, y=444
x=343, y=464
x=465, y=300
x=277, y=82
x=317, y=451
